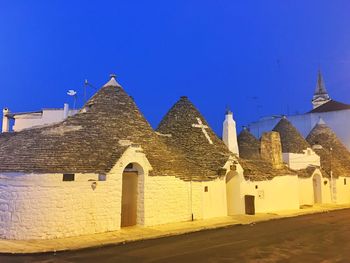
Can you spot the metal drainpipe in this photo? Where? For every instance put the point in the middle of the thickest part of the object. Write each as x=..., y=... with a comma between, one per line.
x=192, y=217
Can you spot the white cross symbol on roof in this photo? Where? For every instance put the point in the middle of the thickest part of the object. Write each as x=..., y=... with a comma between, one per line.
x=203, y=127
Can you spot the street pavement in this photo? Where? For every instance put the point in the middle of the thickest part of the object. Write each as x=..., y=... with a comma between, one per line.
x=323, y=237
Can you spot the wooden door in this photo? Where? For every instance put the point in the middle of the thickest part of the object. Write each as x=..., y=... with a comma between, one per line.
x=129, y=199
x=249, y=204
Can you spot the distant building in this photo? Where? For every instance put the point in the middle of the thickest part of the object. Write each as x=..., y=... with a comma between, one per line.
x=25, y=120
x=335, y=114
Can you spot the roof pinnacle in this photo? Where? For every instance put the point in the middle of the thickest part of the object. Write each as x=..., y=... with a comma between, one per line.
x=112, y=82
x=321, y=95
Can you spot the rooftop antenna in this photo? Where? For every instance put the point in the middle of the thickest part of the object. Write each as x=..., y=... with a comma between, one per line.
x=73, y=94
x=87, y=84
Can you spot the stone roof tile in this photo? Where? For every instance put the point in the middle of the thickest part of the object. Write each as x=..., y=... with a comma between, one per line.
x=292, y=141
x=337, y=159
x=191, y=134
x=89, y=142
x=249, y=146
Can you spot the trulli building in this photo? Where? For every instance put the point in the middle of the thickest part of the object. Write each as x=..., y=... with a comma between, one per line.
x=105, y=168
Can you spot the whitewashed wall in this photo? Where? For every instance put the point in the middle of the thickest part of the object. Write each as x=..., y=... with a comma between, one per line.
x=42, y=206
x=342, y=190
x=306, y=189
x=297, y=161
x=278, y=194
x=48, y=116
x=214, y=201
x=167, y=199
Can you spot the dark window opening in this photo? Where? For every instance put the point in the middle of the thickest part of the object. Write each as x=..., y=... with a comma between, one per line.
x=102, y=177
x=205, y=188
x=68, y=177
x=344, y=181
x=129, y=166
x=256, y=187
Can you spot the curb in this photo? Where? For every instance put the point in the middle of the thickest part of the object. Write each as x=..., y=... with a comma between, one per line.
x=108, y=243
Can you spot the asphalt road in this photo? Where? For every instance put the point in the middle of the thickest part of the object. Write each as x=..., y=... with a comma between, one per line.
x=313, y=238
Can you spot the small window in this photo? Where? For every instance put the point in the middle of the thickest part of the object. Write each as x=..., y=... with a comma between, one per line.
x=102, y=177
x=205, y=188
x=256, y=187
x=68, y=177
x=344, y=181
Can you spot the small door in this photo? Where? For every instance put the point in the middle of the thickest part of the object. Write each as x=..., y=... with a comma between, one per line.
x=249, y=204
x=129, y=199
x=317, y=189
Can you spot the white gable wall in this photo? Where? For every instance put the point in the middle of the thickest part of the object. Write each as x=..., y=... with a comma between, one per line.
x=298, y=161
x=48, y=116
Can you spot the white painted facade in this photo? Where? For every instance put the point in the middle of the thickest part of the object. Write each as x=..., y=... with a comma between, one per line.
x=87, y=205
x=341, y=192
x=315, y=189
x=298, y=161
x=278, y=194
x=27, y=120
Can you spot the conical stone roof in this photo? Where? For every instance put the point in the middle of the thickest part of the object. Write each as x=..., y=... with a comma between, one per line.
x=249, y=146
x=337, y=159
x=255, y=168
x=90, y=141
x=189, y=132
x=292, y=141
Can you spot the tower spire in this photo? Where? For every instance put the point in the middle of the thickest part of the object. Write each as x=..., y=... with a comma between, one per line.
x=321, y=95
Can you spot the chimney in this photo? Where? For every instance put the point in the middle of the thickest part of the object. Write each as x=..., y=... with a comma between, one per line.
x=229, y=133
x=65, y=111
x=271, y=149
x=5, y=120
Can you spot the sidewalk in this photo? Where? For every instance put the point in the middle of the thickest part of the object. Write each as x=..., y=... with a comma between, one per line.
x=140, y=233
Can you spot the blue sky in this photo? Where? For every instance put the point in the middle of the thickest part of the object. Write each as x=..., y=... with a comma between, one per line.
x=259, y=57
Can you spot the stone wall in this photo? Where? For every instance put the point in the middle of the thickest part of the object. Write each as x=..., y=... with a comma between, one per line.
x=42, y=206
x=271, y=149
x=34, y=206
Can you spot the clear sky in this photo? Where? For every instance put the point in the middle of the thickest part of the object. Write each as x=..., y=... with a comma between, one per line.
x=258, y=57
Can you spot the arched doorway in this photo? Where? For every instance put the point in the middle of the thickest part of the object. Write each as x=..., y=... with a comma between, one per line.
x=316, y=180
x=130, y=192
x=232, y=193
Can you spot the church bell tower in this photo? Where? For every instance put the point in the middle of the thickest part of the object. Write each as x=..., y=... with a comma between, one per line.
x=321, y=95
